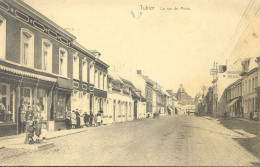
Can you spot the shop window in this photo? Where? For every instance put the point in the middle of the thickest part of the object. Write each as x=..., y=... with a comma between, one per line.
x=46, y=55
x=2, y=37
x=42, y=97
x=63, y=56
x=26, y=93
x=6, y=113
x=27, y=48
x=61, y=106
x=84, y=70
x=76, y=66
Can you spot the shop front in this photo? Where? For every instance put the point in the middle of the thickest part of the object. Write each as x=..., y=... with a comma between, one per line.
x=19, y=87
x=62, y=103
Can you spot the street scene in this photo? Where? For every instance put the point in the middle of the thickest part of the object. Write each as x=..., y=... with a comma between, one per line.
x=180, y=140
x=129, y=83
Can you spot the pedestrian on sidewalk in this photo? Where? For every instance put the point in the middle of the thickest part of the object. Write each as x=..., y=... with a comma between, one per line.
x=73, y=119
x=91, y=116
x=99, y=118
x=44, y=132
x=95, y=120
x=68, y=119
x=77, y=118
x=86, y=119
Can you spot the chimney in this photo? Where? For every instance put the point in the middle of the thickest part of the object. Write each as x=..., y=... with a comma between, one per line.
x=96, y=53
x=139, y=71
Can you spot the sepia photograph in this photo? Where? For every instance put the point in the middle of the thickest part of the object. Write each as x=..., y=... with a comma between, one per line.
x=129, y=83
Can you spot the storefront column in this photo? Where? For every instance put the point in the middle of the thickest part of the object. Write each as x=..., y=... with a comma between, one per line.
x=17, y=107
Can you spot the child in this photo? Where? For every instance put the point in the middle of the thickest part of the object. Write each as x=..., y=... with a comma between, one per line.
x=44, y=132
x=95, y=120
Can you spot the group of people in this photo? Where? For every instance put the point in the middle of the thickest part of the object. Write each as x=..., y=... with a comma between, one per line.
x=32, y=118
x=73, y=119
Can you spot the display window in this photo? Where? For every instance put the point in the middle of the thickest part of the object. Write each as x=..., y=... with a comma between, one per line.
x=6, y=103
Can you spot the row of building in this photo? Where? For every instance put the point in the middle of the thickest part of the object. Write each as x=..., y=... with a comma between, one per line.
x=240, y=97
x=42, y=64
x=236, y=85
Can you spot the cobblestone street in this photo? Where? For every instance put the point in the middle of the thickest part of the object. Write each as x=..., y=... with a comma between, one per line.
x=175, y=140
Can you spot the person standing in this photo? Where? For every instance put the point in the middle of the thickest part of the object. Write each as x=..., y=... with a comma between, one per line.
x=73, y=119
x=91, y=119
x=99, y=118
x=77, y=118
x=86, y=119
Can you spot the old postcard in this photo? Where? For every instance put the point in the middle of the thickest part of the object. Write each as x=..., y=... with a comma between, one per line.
x=129, y=83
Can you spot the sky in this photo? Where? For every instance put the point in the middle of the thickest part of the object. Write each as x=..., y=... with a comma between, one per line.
x=169, y=46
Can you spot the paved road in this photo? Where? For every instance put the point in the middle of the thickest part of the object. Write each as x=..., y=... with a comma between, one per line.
x=175, y=140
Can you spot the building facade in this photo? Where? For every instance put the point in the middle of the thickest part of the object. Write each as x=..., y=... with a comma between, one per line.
x=120, y=100
x=250, y=99
x=234, y=100
x=47, y=68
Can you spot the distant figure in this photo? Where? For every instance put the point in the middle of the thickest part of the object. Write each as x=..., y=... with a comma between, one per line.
x=99, y=118
x=77, y=118
x=91, y=117
x=73, y=119
x=95, y=120
x=86, y=119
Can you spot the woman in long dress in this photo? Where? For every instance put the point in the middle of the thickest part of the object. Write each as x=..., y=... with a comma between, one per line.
x=73, y=119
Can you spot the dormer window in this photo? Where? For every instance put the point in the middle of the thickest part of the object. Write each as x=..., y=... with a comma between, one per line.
x=76, y=66
x=27, y=48
x=63, y=54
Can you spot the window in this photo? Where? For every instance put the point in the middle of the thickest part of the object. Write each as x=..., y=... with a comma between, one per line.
x=101, y=86
x=42, y=97
x=96, y=78
x=27, y=48
x=105, y=81
x=46, y=55
x=91, y=73
x=63, y=62
x=249, y=85
x=85, y=70
x=2, y=37
x=256, y=82
x=76, y=66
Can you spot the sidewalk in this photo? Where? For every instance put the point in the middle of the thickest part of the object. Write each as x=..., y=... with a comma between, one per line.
x=250, y=129
x=10, y=141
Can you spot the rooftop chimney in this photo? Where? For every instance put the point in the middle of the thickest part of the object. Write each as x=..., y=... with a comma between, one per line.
x=139, y=71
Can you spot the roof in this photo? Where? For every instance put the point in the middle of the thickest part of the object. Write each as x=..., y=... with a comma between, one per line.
x=115, y=77
x=170, y=92
x=236, y=82
x=36, y=13
x=129, y=83
x=147, y=79
x=75, y=43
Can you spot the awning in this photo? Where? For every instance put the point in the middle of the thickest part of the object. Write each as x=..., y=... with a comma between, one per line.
x=29, y=74
x=232, y=102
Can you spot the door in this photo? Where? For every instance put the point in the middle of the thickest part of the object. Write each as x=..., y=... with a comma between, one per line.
x=114, y=111
x=91, y=103
x=135, y=109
